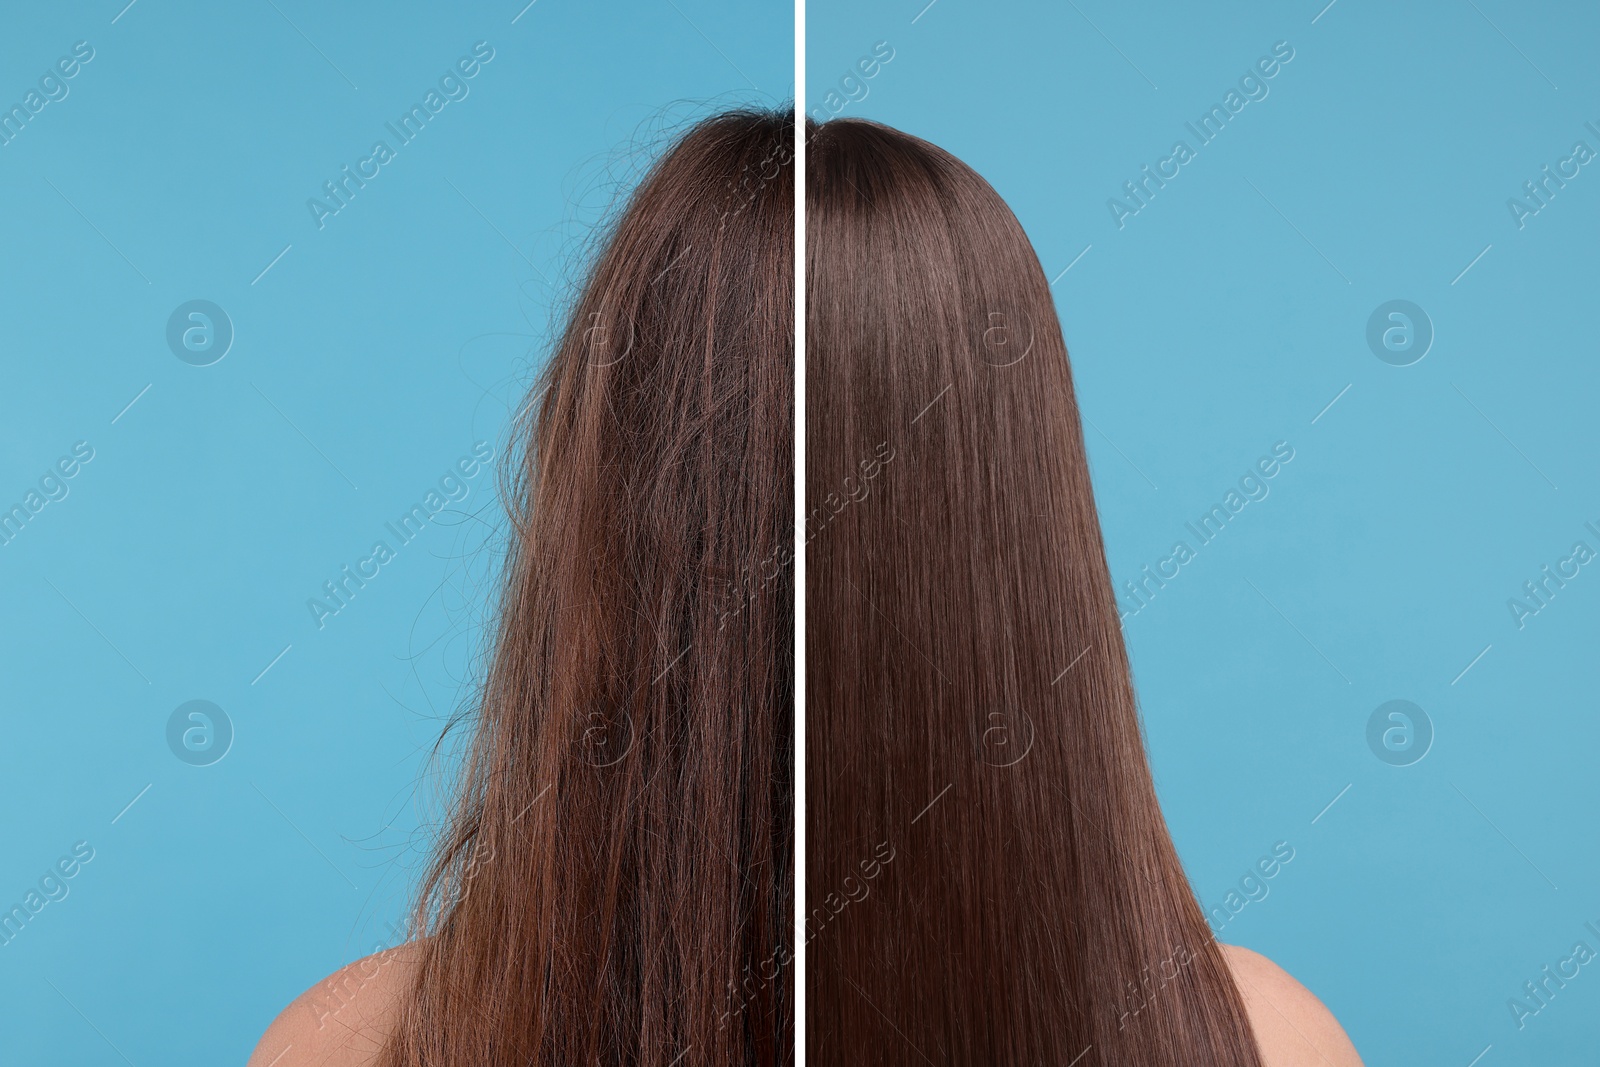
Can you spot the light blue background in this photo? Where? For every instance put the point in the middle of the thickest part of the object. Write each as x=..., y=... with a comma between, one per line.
x=372, y=354
x=1208, y=329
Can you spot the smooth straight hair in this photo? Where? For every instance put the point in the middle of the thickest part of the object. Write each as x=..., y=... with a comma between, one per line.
x=614, y=886
x=989, y=876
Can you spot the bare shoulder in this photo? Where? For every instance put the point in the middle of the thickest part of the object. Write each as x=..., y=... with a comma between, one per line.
x=1293, y=1028
x=345, y=1019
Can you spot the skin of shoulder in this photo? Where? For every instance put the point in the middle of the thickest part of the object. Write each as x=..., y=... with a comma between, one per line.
x=345, y=1019
x=1292, y=1027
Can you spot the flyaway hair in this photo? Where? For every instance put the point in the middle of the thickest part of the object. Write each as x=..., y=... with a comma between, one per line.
x=989, y=877
x=615, y=886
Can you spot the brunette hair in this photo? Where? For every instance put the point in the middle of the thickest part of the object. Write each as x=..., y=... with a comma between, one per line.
x=989, y=877
x=615, y=885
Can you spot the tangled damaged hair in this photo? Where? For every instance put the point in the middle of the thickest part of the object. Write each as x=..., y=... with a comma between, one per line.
x=614, y=884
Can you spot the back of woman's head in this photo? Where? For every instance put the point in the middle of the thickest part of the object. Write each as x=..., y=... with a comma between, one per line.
x=990, y=880
x=614, y=886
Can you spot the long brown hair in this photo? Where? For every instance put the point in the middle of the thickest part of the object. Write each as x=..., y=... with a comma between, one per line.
x=989, y=877
x=615, y=883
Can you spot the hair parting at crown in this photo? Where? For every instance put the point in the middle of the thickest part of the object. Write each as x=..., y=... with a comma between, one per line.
x=971, y=712
x=615, y=883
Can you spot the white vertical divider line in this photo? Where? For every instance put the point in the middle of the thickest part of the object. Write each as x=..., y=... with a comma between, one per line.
x=799, y=865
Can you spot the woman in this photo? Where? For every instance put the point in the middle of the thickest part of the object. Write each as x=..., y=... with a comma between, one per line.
x=615, y=884
x=989, y=877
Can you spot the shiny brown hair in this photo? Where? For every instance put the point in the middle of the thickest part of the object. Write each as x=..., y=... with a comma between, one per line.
x=989, y=876
x=615, y=884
